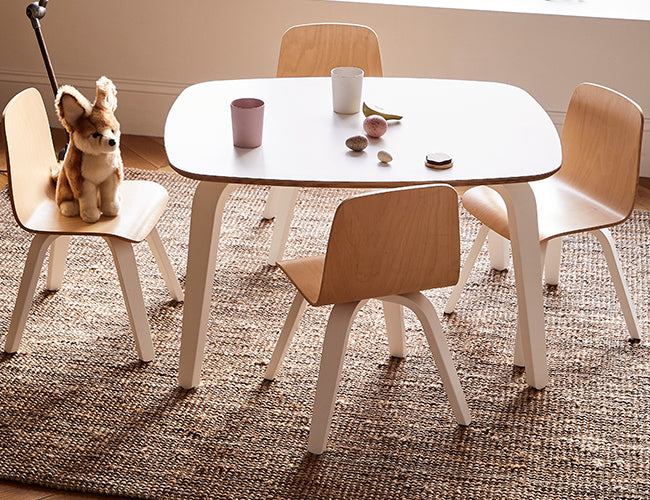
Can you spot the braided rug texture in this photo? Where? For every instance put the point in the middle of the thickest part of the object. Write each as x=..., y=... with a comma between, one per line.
x=78, y=411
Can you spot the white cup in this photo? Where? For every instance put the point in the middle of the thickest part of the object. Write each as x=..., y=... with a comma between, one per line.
x=346, y=89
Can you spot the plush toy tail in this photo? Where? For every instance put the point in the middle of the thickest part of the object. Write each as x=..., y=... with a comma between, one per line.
x=55, y=170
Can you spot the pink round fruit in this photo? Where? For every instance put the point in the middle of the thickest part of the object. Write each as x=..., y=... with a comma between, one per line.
x=375, y=125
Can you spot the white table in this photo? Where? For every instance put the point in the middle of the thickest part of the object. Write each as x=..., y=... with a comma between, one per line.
x=497, y=134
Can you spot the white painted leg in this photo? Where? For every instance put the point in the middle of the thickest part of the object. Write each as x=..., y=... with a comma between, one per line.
x=127, y=272
x=165, y=266
x=498, y=248
x=552, y=261
x=286, y=334
x=56, y=263
x=467, y=268
x=394, y=317
x=285, y=203
x=334, y=346
x=427, y=315
x=205, y=225
x=526, y=256
x=28, y=282
x=519, y=350
x=271, y=206
x=622, y=291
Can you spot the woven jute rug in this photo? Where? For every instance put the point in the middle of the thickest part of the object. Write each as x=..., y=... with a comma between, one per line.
x=78, y=411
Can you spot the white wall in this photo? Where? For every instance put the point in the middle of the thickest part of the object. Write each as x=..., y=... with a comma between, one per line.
x=153, y=52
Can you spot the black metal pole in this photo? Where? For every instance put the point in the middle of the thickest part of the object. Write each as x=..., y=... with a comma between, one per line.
x=36, y=12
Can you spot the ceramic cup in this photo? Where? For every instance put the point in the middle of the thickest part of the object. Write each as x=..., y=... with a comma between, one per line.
x=247, y=122
x=346, y=89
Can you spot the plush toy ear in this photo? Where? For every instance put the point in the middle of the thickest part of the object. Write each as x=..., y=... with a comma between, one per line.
x=70, y=106
x=106, y=94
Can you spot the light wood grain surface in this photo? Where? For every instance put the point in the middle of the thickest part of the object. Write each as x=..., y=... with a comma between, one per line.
x=314, y=49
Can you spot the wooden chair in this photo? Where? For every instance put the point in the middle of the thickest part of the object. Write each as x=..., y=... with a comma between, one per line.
x=594, y=189
x=388, y=245
x=30, y=156
x=313, y=50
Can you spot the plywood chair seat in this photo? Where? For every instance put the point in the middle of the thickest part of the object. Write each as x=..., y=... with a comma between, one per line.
x=143, y=203
x=30, y=157
x=388, y=245
x=306, y=274
x=561, y=209
x=594, y=189
x=309, y=50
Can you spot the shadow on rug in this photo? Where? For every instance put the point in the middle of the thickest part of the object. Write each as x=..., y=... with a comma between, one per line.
x=78, y=410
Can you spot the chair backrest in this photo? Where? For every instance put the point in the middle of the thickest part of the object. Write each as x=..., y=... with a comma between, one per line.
x=314, y=49
x=391, y=242
x=601, y=147
x=30, y=153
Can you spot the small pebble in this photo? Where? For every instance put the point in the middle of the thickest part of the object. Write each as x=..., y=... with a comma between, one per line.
x=384, y=156
x=357, y=142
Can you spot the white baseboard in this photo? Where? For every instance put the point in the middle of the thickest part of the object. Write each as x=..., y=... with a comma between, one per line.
x=142, y=104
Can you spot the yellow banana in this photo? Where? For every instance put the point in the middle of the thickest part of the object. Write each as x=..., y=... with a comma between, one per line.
x=374, y=110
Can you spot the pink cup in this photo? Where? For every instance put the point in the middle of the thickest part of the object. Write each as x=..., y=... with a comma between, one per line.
x=247, y=121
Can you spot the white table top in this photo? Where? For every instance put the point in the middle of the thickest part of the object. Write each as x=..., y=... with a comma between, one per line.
x=495, y=133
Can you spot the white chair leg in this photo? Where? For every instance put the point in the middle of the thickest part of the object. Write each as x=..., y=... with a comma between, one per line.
x=394, y=317
x=165, y=266
x=127, y=272
x=284, y=205
x=334, y=346
x=622, y=291
x=56, y=263
x=28, y=282
x=467, y=268
x=427, y=315
x=498, y=250
x=286, y=334
x=552, y=261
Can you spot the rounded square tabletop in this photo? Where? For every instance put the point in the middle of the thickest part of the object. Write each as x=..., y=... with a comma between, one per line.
x=494, y=132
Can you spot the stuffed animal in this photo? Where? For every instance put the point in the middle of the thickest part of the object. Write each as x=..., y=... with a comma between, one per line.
x=88, y=179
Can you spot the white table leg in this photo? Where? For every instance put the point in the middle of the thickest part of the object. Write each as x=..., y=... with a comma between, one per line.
x=526, y=257
x=284, y=203
x=205, y=226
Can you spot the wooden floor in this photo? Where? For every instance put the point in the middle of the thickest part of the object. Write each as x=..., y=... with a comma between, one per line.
x=148, y=153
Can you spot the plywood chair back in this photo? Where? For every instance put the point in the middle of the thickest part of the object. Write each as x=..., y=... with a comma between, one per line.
x=392, y=242
x=314, y=49
x=594, y=189
x=601, y=148
x=30, y=157
x=30, y=154
x=310, y=50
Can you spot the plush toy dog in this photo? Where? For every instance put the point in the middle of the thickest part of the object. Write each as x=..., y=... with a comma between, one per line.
x=88, y=180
